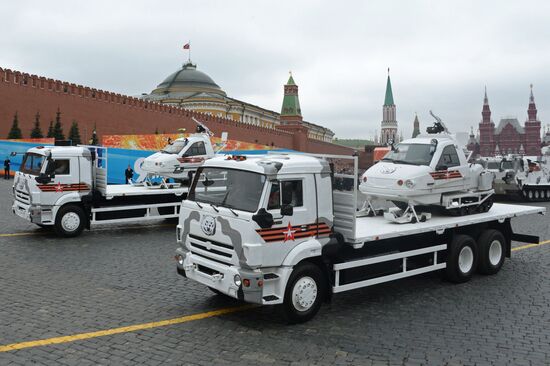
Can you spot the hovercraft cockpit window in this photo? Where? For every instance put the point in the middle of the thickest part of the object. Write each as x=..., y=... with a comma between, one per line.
x=413, y=154
x=174, y=147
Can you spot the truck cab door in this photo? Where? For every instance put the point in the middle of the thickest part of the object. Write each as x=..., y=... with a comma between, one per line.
x=292, y=203
x=64, y=173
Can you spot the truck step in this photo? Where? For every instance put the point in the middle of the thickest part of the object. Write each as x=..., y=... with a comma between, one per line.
x=270, y=298
x=270, y=276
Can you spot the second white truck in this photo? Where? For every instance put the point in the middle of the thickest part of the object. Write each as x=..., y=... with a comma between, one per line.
x=283, y=229
x=65, y=188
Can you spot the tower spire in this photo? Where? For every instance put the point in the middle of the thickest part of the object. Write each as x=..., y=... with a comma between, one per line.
x=532, y=109
x=290, y=110
x=486, y=111
x=416, y=126
x=388, y=100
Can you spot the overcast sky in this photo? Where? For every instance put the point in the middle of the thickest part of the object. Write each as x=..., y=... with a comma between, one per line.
x=441, y=53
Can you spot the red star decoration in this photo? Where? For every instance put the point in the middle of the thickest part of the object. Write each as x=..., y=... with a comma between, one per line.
x=58, y=188
x=289, y=233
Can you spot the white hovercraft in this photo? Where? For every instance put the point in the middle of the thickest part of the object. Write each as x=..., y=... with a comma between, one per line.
x=426, y=172
x=180, y=158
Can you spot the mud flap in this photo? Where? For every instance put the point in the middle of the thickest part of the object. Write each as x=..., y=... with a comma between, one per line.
x=524, y=238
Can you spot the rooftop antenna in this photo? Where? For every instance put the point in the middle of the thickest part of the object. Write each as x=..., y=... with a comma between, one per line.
x=203, y=127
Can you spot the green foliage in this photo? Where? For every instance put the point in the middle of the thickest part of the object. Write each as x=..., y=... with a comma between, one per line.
x=50, y=130
x=57, y=128
x=36, y=132
x=74, y=134
x=15, y=131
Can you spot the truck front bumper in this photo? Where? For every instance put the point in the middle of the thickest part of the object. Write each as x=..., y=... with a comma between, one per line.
x=36, y=214
x=226, y=279
x=22, y=210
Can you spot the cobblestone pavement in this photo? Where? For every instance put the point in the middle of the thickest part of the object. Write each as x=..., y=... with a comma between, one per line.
x=115, y=277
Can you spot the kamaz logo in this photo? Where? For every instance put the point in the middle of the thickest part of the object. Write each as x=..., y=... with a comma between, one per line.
x=208, y=225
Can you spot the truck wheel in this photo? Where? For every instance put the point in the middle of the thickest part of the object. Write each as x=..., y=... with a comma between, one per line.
x=70, y=221
x=304, y=293
x=492, y=246
x=461, y=259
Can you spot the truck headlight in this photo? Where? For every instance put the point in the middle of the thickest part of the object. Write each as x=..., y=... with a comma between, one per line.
x=237, y=280
x=409, y=183
x=179, y=259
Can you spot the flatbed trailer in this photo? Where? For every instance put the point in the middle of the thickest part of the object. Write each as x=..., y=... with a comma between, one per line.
x=297, y=257
x=66, y=188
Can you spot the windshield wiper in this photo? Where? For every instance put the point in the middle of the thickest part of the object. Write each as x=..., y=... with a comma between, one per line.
x=214, y=207
x=387, y=159
x=233, y=212
x=198, y=205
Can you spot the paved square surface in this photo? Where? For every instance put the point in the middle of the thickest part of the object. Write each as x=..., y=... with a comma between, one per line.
x=115, y=277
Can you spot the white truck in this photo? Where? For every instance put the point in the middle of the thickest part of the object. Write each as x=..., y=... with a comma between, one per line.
x=283, y=229
x=525, y=177
x=66, y=188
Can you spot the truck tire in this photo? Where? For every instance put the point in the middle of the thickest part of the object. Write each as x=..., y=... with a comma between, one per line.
x=461, y=259
x=304, y=293
x=492, y=249
x=70, y=221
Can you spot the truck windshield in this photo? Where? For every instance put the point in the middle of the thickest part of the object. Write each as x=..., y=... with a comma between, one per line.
x=493, y=165
x=32, y=163
x=414, y=154
x=174, y=147
x=231, y=188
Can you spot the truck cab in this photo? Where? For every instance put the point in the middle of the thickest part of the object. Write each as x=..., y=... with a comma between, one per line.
x=248, y=220
x=49, y=178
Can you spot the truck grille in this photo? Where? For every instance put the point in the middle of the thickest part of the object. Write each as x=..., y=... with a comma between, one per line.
x=22, y=197
x=212, y=250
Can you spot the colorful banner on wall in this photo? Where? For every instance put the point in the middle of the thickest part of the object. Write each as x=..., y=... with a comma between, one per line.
x=118, y=158
x=157, y=142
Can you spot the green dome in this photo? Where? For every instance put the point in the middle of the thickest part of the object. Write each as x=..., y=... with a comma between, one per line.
x=187, y=81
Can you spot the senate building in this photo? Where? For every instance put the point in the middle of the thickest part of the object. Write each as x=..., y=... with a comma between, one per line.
x=192, y=89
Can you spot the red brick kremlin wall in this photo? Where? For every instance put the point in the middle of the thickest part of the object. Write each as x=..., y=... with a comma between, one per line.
x=116, y=114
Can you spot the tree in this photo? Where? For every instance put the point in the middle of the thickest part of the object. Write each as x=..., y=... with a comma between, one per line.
x=15, y=131
x=50, y=130
x=36, y=132
x=74, y=134
x=57, y=128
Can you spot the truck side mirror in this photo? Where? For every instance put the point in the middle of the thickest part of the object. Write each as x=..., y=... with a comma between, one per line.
x=287, y=210
x=43, y=178
x=263, y=218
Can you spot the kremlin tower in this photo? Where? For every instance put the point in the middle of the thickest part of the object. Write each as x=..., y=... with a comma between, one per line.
x=389, y=122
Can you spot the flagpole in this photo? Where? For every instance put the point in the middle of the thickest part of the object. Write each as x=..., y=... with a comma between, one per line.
x=189, y=54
